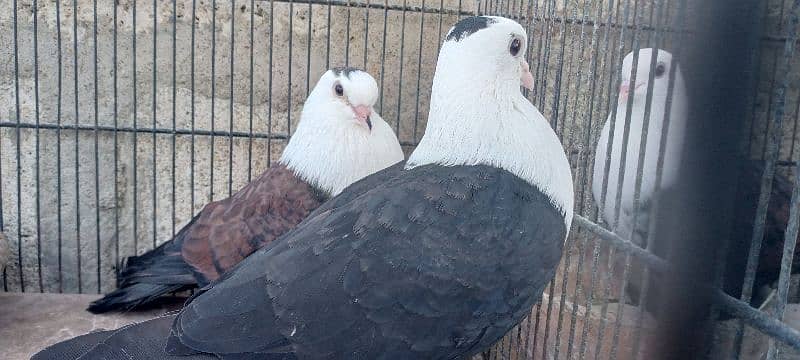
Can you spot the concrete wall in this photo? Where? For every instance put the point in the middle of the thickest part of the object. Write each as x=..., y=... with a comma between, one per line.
x=78, y=201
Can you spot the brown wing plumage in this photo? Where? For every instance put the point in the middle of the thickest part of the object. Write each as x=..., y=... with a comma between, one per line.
x=217, y=238
x=227, y=231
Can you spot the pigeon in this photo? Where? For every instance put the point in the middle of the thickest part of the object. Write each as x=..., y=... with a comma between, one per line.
x=438, y=261
x=628, y=225
x=339, y=140
x=637, y=228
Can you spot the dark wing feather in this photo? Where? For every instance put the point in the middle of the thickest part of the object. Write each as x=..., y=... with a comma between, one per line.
x=438, y=263
x=72, y=348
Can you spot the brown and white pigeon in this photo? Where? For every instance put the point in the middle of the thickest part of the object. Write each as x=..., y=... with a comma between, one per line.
x=438, y=261
x=339, y=140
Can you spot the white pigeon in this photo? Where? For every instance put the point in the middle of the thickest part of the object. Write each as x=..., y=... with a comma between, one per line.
x=675, y=128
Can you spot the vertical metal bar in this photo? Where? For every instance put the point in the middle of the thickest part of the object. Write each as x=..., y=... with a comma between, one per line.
x=383, y=49
x=419, y=69
x=2, y=222
x=36, y=108
x=135, y=140
x=96, y=151
x=796, y=117
x=173, y=169
x=347, y=37
x=58, y=150
x=155, y=124
x=441, y=15
x=269, y=91
x=289, y=88
x=366, y=33
x=192, y=115
x=213, y=92
x=230, y=120
x=400, y=76
x=328, y=45
x=19, y=168
x=565, y=263
x=116, y=146
x=550, y=288
x=250, y=124
x=539, y=52
x=790, y=237
x=308, y=51
x=77, y=135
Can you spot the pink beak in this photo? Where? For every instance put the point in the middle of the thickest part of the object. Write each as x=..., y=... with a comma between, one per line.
x=362, y=113
x=526, y=77
x=624, y=89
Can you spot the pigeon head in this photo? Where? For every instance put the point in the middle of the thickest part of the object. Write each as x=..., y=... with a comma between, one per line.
x=350, y=93
x=340, y=138
x=478, y=115
x=638, y=87
x=488, y=51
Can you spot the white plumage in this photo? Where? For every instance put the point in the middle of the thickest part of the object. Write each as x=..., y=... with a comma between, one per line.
x=674, y=142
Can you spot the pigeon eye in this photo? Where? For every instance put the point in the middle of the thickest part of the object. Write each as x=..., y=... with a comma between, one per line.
x=516, y=45
x=660, y=70
x=339, y=89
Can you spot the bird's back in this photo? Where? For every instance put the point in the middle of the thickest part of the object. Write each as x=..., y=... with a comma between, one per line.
x=437, y=263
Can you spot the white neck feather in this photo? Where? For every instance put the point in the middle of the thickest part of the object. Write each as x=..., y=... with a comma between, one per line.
x=487, y=124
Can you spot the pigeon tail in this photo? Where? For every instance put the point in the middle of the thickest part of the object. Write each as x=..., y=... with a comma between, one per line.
x=145, y=278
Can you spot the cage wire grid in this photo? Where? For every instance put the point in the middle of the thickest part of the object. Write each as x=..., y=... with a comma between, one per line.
x=121, y=119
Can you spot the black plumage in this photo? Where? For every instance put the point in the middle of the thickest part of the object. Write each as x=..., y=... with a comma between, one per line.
x=387, y=274
x=438, y=263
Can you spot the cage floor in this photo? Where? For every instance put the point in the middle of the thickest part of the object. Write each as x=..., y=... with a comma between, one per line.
x=30, y=322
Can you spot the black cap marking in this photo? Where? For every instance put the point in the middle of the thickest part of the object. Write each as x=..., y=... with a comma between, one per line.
x=346, y=70
x=469, y=26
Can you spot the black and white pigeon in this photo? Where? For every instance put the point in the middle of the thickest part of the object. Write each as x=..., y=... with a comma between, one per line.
x=436, y=261
x=339, y=140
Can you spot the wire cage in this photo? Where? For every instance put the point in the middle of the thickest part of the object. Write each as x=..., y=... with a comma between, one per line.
x=120, y=119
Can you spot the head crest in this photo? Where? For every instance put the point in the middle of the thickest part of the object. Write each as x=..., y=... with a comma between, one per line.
x=468, y=26
x=346, y=70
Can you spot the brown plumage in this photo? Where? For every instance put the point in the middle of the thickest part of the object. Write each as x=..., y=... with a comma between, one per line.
x=218, y=237
x=229, y=230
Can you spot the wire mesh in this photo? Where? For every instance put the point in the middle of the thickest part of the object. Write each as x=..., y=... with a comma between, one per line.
x=119, y=129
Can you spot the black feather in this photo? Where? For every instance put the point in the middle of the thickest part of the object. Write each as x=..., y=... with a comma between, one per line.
x=468, y=26
x=73, y=348
x=148, y=277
